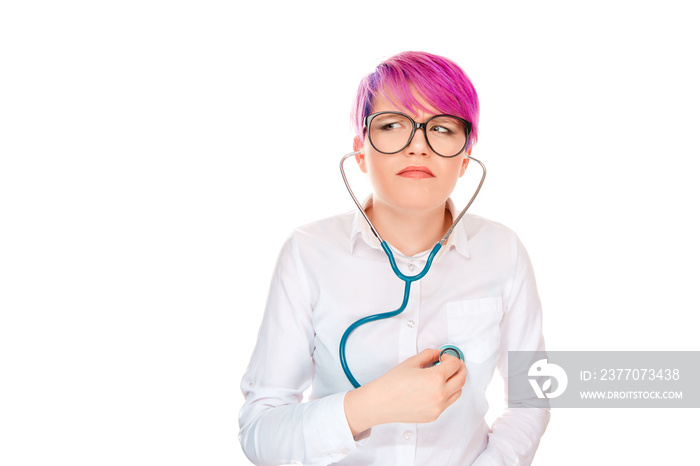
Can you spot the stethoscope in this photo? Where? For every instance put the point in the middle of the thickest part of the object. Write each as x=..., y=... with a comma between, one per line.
x=407, y=279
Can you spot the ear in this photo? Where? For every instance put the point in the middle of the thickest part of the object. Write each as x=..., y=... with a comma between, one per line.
x=360, y=158
x=357, y=143
x=465, y=162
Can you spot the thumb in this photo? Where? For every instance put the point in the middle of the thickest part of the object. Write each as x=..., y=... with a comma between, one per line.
x=423, y=358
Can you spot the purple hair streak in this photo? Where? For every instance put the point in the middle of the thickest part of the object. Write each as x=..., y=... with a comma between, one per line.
x=439, y=81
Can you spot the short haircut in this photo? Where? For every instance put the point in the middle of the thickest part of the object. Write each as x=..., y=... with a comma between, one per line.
x=439, y=81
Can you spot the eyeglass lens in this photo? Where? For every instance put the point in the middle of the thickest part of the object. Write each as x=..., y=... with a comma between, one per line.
x=390, y=133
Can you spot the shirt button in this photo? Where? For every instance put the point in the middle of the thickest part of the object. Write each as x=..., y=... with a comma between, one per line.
x=407, y=435
x=411, y=267
x=411, y=324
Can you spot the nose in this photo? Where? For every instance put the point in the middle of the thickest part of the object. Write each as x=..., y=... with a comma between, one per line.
x=418, y=145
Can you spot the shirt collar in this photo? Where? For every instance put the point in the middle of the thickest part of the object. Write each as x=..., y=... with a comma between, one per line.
x=362, y=232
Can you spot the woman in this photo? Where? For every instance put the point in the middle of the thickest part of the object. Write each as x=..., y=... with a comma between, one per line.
x=480, y=296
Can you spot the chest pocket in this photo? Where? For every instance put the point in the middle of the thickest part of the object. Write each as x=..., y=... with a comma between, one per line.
x=473, y=326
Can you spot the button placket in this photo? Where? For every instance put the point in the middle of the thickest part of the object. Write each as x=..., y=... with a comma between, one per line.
x=406, y=448
x=409, y=321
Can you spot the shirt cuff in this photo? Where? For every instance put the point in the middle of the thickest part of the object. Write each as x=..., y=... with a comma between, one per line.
x=331, y=429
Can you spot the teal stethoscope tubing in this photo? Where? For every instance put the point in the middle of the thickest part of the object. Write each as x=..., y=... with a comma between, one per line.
x=392, y=261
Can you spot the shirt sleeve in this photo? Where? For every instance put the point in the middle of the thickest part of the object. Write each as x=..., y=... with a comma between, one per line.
x=276, y=427
x=515, y=435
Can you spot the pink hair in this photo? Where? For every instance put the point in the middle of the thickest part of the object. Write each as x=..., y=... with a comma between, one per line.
x=439, y=81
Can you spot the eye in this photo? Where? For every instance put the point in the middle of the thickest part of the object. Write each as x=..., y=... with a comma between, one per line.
x=441, y=129
x=390, y=126
x=390, y=122
x=446, y=126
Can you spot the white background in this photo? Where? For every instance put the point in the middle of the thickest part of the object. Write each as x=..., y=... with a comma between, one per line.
x=156, y=154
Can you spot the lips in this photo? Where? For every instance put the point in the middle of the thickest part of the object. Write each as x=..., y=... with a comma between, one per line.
x=416, y=172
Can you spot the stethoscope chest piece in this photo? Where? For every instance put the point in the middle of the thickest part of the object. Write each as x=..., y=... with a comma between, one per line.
x=450, y=350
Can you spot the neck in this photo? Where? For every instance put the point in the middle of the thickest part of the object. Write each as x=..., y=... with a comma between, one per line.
x=411, y=232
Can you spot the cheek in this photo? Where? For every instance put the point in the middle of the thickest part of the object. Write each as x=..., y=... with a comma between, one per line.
x=376, y=173
x=450, y=184
x=455, y=171
x=450, y=179
x=375, y=165
x=379, y=174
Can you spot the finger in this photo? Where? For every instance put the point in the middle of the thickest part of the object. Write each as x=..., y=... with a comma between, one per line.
x=449, y=365
x=454, y=397
x=458, y=379
x=424, y=358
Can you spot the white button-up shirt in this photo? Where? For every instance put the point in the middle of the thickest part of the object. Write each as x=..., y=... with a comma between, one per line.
x=479, y=295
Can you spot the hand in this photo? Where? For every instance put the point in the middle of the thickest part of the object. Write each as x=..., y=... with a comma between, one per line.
x=413, y=391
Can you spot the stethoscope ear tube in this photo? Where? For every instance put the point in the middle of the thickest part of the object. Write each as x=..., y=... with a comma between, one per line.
x=471, y=201
x=352, y=194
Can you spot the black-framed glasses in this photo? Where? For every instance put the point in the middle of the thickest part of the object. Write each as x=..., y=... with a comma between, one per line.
x=391, y=132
